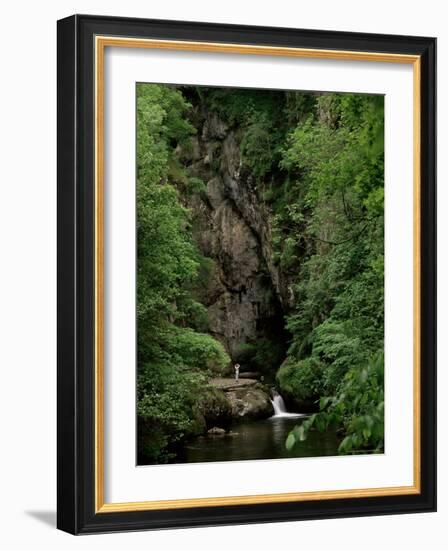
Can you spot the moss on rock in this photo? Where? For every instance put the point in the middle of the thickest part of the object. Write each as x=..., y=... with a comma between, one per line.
x=300, y=383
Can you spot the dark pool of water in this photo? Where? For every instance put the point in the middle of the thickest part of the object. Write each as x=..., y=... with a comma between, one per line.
x=256, y=440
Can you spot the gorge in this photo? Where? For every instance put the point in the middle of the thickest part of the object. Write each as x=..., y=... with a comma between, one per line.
x=255, y=248
x=246, y=294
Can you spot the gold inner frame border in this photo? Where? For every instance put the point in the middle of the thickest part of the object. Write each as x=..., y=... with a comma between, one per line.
x=100, y=44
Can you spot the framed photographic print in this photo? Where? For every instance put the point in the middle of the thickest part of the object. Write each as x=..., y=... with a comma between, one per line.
x=246, y=274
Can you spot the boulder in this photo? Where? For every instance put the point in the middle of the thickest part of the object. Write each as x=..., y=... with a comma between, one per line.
x=216, y=431
x=214, y=407
x=247, y=398
x=253, y=403
x=228, y=384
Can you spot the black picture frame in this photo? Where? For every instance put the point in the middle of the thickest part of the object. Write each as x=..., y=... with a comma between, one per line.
x=76, y=286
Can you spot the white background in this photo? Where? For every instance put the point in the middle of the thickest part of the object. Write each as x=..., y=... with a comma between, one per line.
x=28, y=273
x=125, y=483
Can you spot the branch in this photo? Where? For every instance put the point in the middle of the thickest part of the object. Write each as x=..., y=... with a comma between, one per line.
x=335, y=243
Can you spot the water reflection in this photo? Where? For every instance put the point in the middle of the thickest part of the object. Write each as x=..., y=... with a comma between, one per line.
x=258, y=440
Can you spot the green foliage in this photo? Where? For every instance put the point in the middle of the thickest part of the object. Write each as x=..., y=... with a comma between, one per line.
x=339, y=346
x=329, y=227
x=195, y=349
x=259, y=118
x=161, y=123
x=244, y=353
x=165, y=399
x=171, y=353
x=316, y=161
x=263, y=356
x=301, y=381
x=357, y=409
x=268, y=355
x=195, y=185
x=167, y=256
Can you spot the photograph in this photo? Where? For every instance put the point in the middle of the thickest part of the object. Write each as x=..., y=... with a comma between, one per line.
x=246, y=274
x=222, y=246
x=260, y=273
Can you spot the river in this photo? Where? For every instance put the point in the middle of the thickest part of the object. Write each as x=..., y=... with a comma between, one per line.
x=260, y=439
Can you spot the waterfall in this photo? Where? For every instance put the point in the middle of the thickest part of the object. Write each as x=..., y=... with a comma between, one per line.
x=279, y=405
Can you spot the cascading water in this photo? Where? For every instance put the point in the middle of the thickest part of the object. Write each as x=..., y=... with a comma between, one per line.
x=279, y=406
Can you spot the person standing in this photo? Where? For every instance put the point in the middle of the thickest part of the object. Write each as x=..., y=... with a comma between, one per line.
x=237, y=371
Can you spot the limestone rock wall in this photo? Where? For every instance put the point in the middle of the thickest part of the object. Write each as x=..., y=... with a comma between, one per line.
x=245, y=294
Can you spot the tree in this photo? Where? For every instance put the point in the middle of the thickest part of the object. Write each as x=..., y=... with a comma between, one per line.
x=173, y=358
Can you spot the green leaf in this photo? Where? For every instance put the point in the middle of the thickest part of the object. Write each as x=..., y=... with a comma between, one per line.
x=301, y=433
x=324, y=402
x=290, y=441
x=320, y=423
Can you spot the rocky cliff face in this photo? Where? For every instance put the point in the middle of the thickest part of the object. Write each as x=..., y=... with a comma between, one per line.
x=245, y=294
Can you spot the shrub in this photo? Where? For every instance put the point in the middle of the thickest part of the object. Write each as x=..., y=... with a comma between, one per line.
x=357, y=410
x=198, y=350
x=166, y=395
x=300, y=382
